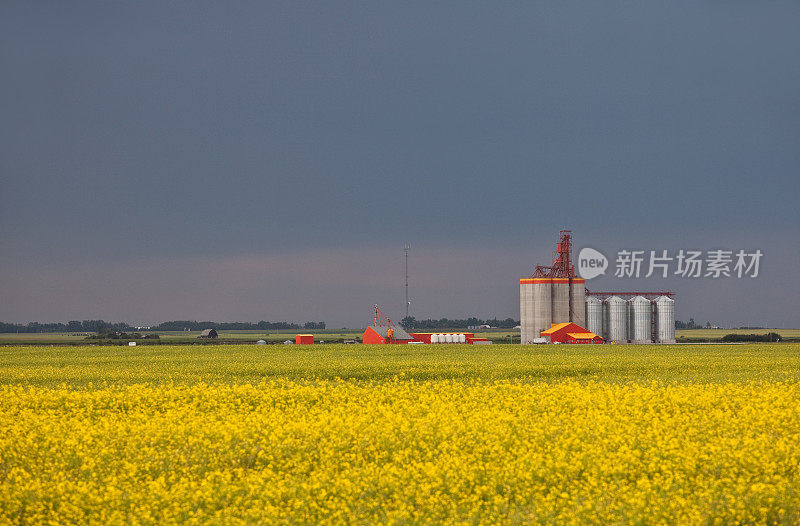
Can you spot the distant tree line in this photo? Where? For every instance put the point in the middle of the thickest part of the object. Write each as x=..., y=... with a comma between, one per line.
x=411, y=323
x=72, y=326
x=100, y=326
x=691, y=324
x=106, y=334
x=235, y=326
x=769, y=337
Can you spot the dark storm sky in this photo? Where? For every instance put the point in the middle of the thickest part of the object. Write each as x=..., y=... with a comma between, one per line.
x=268, y=160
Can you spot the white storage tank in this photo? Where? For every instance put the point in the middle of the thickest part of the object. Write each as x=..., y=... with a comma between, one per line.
x=462, y=338
x=448, y=338
x=665, y=319
x=594, y=315
x=434, y=338
x=617, y=323
x=641, y=320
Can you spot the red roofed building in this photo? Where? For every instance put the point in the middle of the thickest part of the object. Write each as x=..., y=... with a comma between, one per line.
x=583, y=337
x=379, y=334
x=569, y=333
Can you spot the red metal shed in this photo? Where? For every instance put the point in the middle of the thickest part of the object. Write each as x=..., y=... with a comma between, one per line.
x=304, y=339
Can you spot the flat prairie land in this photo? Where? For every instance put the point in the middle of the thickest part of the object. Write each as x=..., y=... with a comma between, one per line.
x=719, y=333
x=331, y=434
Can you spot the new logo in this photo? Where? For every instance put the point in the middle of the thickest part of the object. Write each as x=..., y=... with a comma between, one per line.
x=591, y=263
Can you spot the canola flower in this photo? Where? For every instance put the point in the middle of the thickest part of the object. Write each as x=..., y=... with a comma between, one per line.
x=401, y=451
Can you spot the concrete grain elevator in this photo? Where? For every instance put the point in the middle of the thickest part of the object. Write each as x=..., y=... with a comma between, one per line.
x=552, y=294
x=555, y=295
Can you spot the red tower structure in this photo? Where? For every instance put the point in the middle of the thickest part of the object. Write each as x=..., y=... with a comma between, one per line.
x=383, y=330
x=562, y=260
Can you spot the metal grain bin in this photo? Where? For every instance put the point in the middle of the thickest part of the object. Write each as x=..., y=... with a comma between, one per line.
x=641, y=320
x=665, y=319
x=617, y=323
x=594, y=315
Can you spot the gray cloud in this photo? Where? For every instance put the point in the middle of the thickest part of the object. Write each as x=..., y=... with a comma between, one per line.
x=159, y=146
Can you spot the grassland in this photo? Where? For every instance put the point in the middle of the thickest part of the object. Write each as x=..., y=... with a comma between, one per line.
x=191, y=337
x=400, y=434
x=332, y=335
x=171, y=337
x=719, y=333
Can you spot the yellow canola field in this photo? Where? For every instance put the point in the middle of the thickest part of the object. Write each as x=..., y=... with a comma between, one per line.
x=401, y=451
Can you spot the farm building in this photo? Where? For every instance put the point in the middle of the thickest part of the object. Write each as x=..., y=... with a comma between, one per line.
x=583, y=337
x=304, y=339
x=383, y=334
x=445, y=337
x=209, y=334
x=382, y=330
x=569, y=332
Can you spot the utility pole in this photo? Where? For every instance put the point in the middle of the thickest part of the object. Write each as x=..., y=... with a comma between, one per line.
x=405, y=249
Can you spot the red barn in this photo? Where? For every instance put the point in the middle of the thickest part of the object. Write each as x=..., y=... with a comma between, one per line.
x=569, y=333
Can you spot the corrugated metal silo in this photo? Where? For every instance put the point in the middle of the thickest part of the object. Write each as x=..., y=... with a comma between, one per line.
x=594, y=315
x=641, y=320
x=617, y=320
x=542, y=306
x=665, y=319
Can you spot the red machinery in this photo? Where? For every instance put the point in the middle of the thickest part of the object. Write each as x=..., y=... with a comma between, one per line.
x=562, y=260
x=383, y=330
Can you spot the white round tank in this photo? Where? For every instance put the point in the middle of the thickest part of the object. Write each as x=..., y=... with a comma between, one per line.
x=434, y=338
x=641, y=324
x=448, y=338
x=617, y=323
x=462, y=338
x=594, y=315
x=665, y=319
